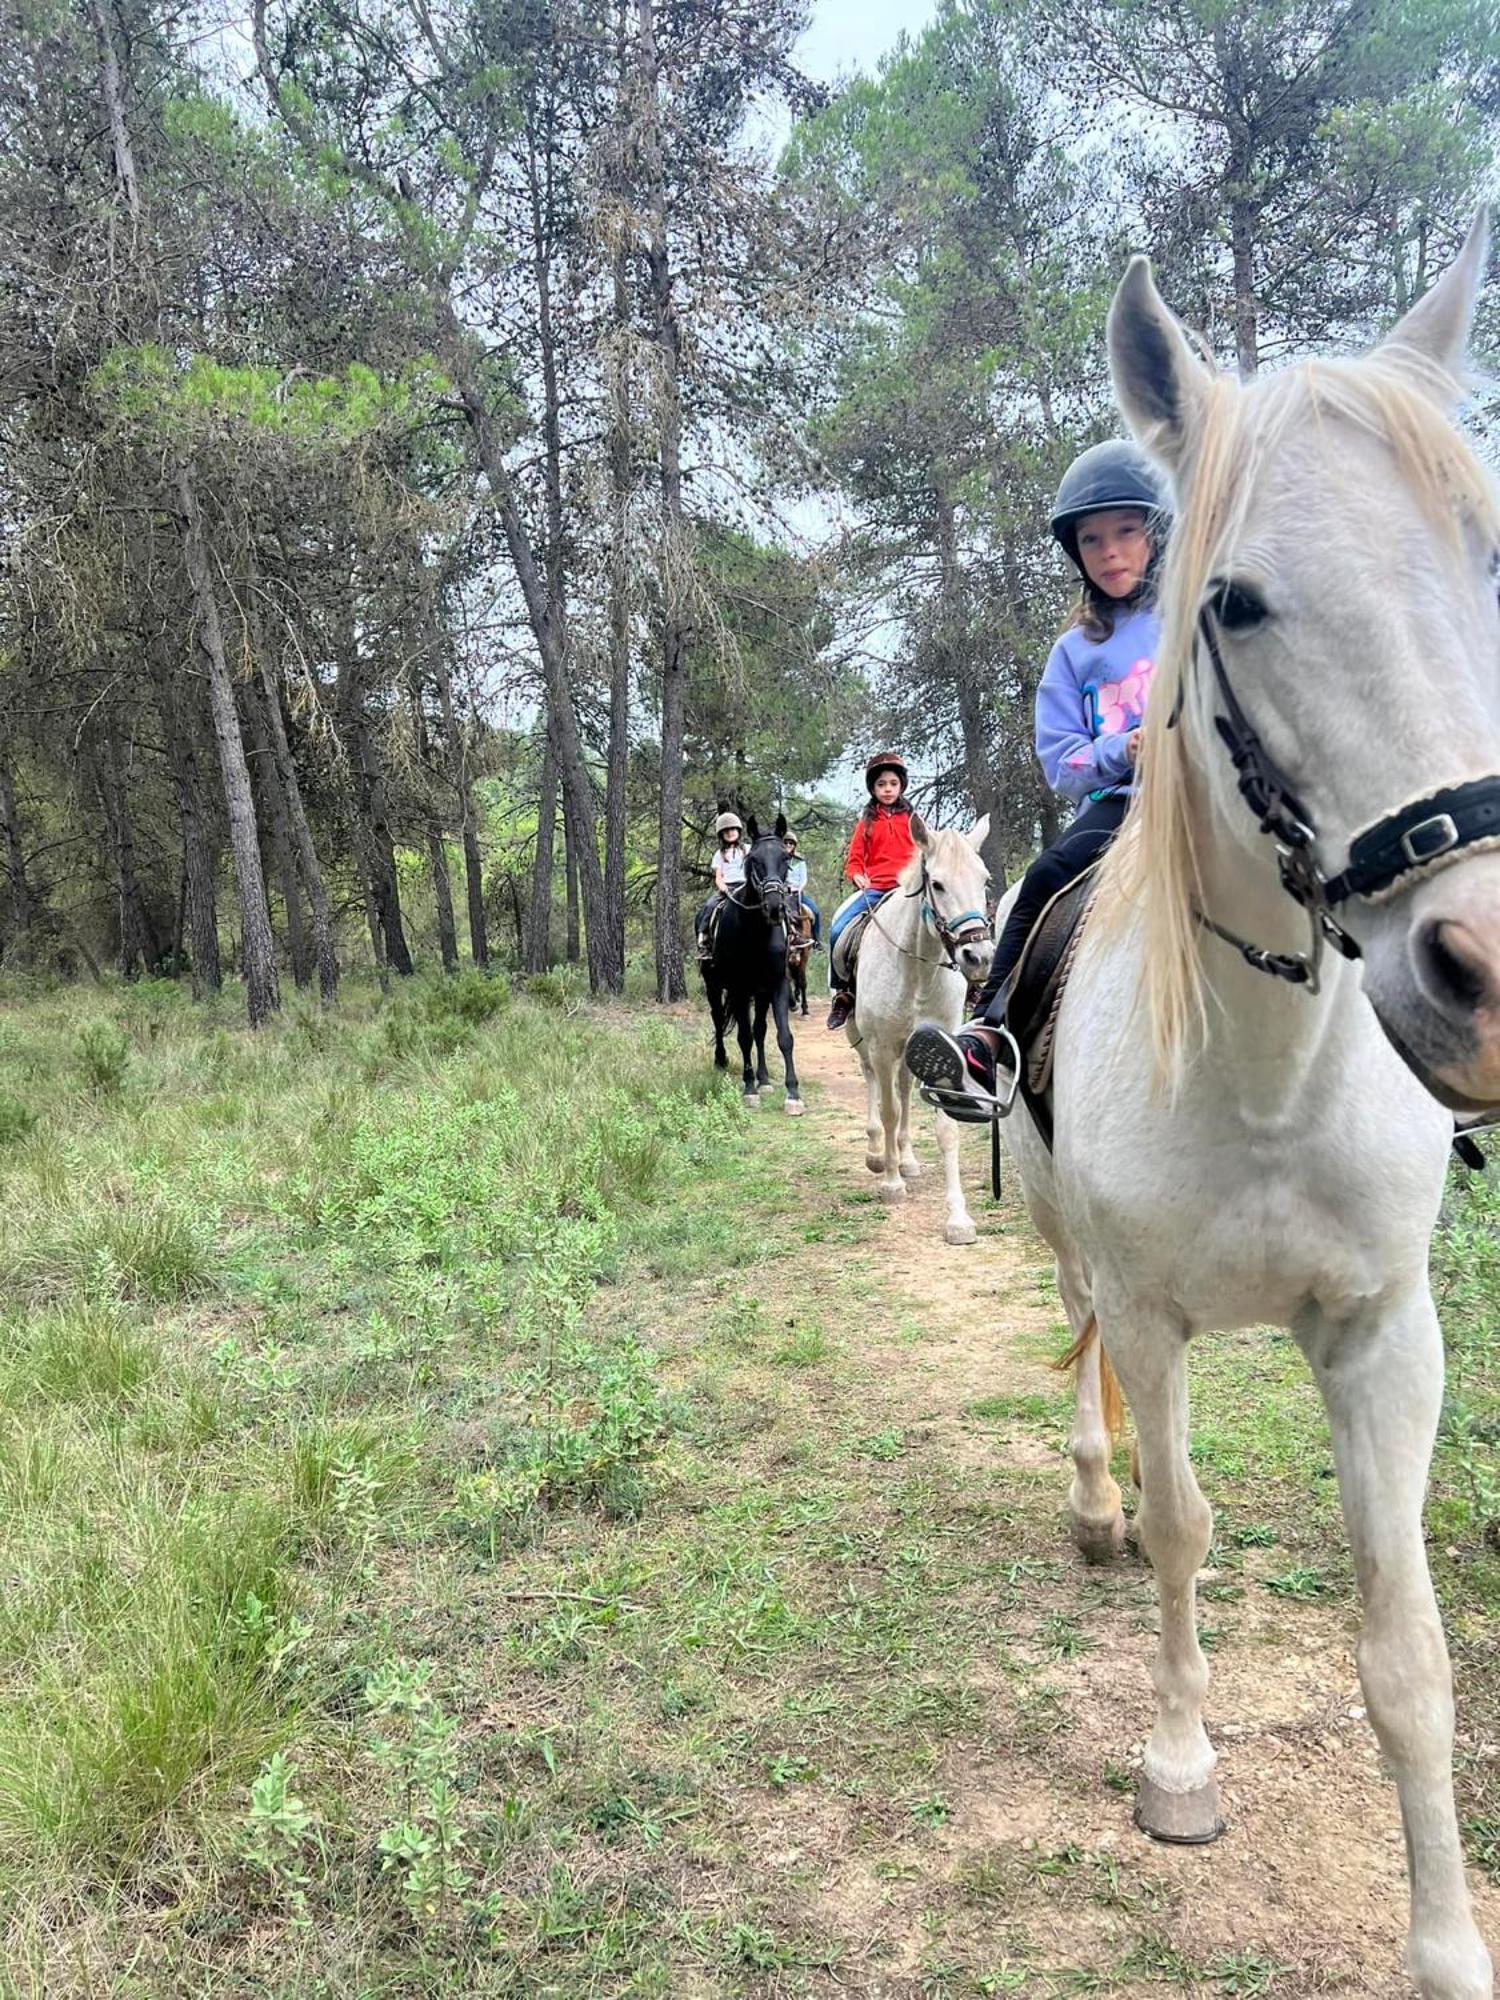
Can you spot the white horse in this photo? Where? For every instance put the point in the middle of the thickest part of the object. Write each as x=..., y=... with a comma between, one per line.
x=922, y=948
x=1330, y=595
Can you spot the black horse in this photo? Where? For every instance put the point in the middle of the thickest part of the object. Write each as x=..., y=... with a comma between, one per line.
x=747, y=975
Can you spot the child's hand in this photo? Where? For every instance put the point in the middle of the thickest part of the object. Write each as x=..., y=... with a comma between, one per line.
x=1133, y=745
x=861, y=881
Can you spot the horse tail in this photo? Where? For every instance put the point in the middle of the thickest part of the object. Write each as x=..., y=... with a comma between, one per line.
x=1109, y=1382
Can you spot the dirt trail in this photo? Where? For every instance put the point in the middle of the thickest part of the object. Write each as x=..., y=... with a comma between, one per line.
x=1311, y=1871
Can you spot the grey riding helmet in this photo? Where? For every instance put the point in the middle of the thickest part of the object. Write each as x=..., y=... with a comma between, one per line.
x=1113, y=474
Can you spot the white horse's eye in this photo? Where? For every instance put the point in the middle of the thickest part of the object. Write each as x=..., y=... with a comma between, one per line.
x=1239, y=608
x=938, y=887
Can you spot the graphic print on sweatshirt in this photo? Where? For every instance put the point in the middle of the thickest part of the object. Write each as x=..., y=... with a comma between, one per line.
x=1116, y=706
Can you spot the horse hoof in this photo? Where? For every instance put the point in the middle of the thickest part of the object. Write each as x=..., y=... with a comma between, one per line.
x=911, y=1170
x=875, y=1162
x=960, y=1232
x=1182, y=1819
x=1100, y=1541
x=893, y=1190
x=795, y=1107
x=751, y=1101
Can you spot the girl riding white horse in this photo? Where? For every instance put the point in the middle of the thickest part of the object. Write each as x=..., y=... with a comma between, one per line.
x=923, y=947
x=1245, y=1149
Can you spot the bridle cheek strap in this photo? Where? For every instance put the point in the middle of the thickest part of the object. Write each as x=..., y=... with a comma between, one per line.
x=1414, y=840
x=950, y=932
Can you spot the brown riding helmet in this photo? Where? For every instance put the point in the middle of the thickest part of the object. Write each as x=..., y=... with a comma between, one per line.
x=885, y=760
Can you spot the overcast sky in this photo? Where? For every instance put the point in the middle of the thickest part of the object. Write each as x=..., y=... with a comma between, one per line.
x=846, y=35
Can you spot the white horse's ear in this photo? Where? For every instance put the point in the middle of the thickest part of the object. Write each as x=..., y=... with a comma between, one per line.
x=978, y=833
x=1436, y=330
x=1160, y=384
x=919, y=832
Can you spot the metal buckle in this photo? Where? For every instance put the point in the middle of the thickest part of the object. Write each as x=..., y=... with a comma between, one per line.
x=1442, y=825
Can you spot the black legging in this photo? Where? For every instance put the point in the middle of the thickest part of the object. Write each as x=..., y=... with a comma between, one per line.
x=1054, y=868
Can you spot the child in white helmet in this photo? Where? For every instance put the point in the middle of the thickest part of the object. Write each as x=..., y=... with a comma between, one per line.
x=729, y=873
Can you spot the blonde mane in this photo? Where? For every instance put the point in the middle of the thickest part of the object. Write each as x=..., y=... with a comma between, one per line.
x=1152, y=869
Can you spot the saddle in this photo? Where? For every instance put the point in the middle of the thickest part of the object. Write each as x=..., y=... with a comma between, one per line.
x=845, y=960
x=1034, y=993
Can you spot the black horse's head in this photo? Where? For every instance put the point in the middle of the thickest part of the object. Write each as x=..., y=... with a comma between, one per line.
x=766, y=863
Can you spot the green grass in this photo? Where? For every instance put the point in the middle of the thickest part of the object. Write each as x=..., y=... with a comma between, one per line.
x=458, y=1541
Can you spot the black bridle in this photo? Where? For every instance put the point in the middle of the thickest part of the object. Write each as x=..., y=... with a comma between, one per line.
x=1402, y=844
x=772, y=891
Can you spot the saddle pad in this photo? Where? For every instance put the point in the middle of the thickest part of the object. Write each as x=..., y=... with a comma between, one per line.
x=1041, y=978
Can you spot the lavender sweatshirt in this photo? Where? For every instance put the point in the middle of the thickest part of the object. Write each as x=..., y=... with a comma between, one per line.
x=1093, y=693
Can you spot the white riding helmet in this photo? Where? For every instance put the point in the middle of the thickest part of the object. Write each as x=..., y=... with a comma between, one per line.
x=726, y=820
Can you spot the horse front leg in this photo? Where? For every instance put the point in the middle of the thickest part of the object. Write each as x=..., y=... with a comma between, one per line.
x=874, y=1131
x=745, y=1034
x=911, y=1166
x=958, y=1224
x=781, y=1008
x=1381, y=1375
x=1177, y=1798
x=718, y=1014
x=762, y=1074
x=892, y=1187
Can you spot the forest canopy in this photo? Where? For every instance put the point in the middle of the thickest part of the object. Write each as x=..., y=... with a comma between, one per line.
x=448, y=450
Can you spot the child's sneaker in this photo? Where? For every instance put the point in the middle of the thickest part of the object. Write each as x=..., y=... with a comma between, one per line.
x=957, y=1073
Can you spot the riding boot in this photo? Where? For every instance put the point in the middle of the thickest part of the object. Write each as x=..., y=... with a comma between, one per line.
x=842, y=1008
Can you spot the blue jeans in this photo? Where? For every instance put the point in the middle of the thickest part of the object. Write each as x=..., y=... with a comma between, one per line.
x=851, y=907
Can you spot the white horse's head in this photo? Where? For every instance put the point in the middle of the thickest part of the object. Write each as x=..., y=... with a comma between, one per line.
x=956, y=879
x=1344, y=539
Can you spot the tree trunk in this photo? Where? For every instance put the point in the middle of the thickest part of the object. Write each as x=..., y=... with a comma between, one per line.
x=139, y=950
x=372, y=924
x=458, y=775
x=262, y=996
x=617, y=753
x=112, y=89
x=570, y=875
x=25, y=906
x=442, y=895
x=276, y=815
x=372, y=810
x=671, y=982
x=301, y=832
x=547, y=617
x=437, y=842
x=539, y=915
x=200, y=860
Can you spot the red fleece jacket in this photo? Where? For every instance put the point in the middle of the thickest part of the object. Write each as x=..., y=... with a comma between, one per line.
x=882, y=846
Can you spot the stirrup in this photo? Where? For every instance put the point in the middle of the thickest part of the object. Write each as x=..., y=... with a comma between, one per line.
x=973, y=1106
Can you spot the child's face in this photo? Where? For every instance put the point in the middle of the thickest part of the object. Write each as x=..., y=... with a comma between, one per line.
x=887, y=788
x=1114, y=548
x=731, y=836
x=791, y=847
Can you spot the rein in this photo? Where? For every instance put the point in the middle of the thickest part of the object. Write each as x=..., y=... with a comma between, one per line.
x=1408, y=842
